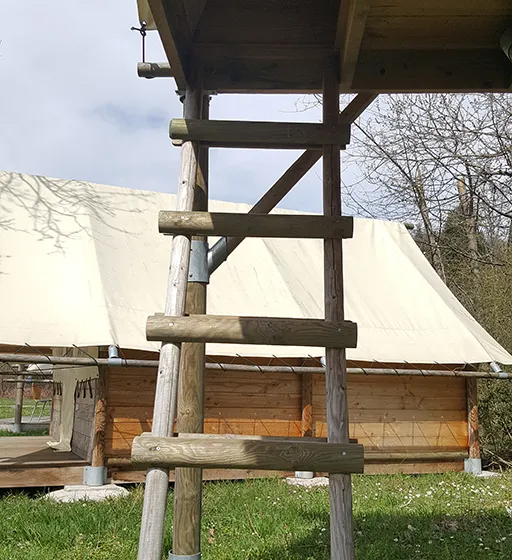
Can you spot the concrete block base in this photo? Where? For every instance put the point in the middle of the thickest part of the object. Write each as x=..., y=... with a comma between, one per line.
x=82, y=492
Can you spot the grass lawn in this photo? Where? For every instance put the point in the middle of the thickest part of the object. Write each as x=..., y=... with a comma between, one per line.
x=438, y=517
x=7, y=407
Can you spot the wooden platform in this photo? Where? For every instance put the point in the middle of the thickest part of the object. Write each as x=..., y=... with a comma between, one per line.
x=27, y=461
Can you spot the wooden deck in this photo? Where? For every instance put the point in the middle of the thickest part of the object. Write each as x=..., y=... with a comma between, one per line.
x=27, y=461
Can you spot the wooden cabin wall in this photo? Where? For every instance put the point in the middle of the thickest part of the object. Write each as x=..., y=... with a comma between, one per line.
x=387, y=413
x=85, y=401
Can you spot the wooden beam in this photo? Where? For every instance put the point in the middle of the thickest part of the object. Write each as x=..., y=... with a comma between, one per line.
x=247, y=453
x=173, y=27
x=100, y=419
x=241, y=134
x=194, y=9
x=340, y=486
x=356, y=107
x=154, y=70
x=190, y=409
x=228, y=224
x=423, y=71
x=350, y=30
x=252, y=330
x=472, y=400
x=164, y=410
x=307, y=404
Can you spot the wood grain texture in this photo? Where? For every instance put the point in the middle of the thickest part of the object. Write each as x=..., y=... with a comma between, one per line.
x=164, y=412
x=307, y=405
x=351, y=26
x=247, y=453
x=100, y=419
x=340, y=486
x=421, y=71
x=226, y=224
x=190, y=409
x=244, y=134
x=252, y=330
x=472, y=407
x=175, y=35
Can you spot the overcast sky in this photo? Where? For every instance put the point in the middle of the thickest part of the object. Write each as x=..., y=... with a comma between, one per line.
x=72, y=106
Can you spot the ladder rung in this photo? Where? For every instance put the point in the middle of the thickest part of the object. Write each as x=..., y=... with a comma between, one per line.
x=242, y=134
x=242, y=452
x=252, y=330
x=226, y=224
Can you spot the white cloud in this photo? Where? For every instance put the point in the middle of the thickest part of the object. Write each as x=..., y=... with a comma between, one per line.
x=72, y=106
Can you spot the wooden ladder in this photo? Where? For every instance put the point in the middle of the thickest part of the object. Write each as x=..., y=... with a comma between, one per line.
x=159, y=451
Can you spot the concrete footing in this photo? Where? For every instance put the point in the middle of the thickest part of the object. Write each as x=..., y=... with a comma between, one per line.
x=82, y=492
x=473, y=466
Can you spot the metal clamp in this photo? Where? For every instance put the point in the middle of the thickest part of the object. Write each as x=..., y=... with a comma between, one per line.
x=198, y=268
x=113, y=356
x=95, y=476
x=196, y=556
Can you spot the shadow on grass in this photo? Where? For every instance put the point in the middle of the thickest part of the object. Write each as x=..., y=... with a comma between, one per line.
x=403, y=536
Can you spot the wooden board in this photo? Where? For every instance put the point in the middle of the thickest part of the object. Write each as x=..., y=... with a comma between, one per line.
x=230, y=224
x=41, y=476
x=241, y=452
x=252, y=330
x=245, y=134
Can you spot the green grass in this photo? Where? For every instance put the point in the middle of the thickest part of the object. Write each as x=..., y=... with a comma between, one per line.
x=431, y=517
x=7, y=433
x=7, y=408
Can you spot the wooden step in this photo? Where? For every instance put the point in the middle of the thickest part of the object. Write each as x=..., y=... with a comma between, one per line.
x=225, y=224
x=252, y=330
x=247, y=452
x=241, y=134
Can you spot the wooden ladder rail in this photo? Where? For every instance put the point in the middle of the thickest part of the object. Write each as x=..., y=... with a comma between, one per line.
x=157, y=479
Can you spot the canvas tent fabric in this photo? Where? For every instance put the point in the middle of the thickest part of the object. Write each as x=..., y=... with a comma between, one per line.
x=84, y=264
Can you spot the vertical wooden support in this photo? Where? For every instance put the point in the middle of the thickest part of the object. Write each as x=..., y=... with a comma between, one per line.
x=100, y=419
x=307, y=404
x=474, y=464
x=342, y=541
x=306, y=381
x=18, y=405
x=157, y=479
x=190, y=418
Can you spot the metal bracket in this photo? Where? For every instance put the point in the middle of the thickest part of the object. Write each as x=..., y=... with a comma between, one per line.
x=304, y=474
x=473, y=466
x=196, y=556
x=198, y=268
x=95, y=476
x=113, y=356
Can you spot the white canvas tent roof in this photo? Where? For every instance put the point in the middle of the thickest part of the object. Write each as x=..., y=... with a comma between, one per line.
x=84, y=264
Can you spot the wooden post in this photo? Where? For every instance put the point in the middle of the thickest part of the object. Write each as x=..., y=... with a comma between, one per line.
x=473, y=464
x=18, y=406
x=307, y=415
x=342, y=540
x=157, y=479
x=190, y=417
x=100, y=419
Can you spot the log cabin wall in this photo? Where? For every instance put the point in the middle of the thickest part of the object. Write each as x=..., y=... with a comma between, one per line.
x=387, y=413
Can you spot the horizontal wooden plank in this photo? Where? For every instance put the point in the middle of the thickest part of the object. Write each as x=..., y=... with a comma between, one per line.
x=247, y=453
x=229, y=224
x=440, y=8
x=41, y=476
x=422, y=71
x=396, y=403
x=245, y=134
x=120, y=476
x=252, y=330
